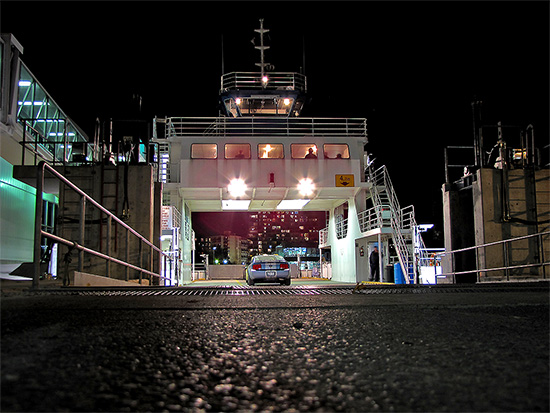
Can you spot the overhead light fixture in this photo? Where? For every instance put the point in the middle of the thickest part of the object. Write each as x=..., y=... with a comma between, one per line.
x=235, y=204
x=25, y=83
x=306, y=186
x=237, y=187
x=292, y=204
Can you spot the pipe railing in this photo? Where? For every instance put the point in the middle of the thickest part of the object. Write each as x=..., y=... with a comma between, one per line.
x=266, y=126
x=84, y=199
x=506, y=267
x=253, y=80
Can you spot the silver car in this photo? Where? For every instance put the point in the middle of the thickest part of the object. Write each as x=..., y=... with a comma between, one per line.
x=268, y=269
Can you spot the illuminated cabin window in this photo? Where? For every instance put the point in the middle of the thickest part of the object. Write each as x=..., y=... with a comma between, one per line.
x=336, y=151
x=304, y=151
x=271, y=151
x=237, y=151
x=204, y=151
x=260, y=106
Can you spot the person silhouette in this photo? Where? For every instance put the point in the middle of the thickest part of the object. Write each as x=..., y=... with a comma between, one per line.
x=310, y=154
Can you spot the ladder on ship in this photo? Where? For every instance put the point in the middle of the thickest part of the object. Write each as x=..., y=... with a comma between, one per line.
x=408, y=243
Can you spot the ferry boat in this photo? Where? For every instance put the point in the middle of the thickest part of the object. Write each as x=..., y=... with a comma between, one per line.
x=261, y=155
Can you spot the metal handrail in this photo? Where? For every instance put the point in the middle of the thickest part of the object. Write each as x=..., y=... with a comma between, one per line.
x=371, y=218
x=253, y=80
x=542, y=263
x=323, y=236
x=342, y=229
x=266, y=126
x=39, y=233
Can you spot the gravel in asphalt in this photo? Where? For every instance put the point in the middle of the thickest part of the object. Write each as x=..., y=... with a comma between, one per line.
x=356, y=353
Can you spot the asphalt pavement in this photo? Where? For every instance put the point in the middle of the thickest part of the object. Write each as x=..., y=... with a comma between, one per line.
x=301, y=348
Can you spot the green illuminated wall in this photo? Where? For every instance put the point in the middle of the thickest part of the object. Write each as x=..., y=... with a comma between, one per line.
x=17, y=205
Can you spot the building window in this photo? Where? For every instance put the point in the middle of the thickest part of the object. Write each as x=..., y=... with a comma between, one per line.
x=271, y=151
x=336, y=151
x=237, y=151
x=204, y=151
x=304, y=151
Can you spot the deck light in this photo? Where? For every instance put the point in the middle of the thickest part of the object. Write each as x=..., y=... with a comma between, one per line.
x=306, y=187
x=235, y=204
x=238, y=101
x=286, y=101
x=292, y=204
x=264, y=79
x=237, y=187
x=25, y=83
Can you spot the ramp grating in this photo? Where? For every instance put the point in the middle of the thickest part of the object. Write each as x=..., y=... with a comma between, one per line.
x=245, y=290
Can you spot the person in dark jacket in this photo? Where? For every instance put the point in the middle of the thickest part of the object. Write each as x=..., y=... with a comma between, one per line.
x=374, y=261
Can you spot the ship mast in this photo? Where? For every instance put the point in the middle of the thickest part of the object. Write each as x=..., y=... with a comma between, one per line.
x=262, y=47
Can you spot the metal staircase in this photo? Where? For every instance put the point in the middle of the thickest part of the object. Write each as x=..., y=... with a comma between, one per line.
x=407, y=240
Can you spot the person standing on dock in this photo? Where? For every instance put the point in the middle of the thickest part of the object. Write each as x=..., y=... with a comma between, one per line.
x=374, y=261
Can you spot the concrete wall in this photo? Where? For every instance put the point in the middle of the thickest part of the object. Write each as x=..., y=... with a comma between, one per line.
x=499, y=205
x=492, y=193
x=81, y=279
x=225, y=272
x=142, y=215
x=458, y=221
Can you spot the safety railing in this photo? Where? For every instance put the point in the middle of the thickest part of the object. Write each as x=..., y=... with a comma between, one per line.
x=505, y=266
x=266, y=126
x=273, y=80
x=371, y=218
x=342, y=228
x=78, y=245
x=323, y=237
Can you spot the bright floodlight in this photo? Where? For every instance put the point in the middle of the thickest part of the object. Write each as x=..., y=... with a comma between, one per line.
x=238, y=101
x=237, y=187
x=286, y=101
x=306, y=187
x=264, y=79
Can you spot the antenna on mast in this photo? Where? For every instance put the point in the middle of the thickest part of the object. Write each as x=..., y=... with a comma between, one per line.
x=261, y=47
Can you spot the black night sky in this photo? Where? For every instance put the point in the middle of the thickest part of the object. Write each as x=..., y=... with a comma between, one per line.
x=411, y=68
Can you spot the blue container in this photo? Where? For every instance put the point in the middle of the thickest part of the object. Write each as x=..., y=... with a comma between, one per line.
x=398, y=276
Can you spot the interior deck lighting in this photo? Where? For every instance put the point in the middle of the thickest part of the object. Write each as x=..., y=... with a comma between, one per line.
x=286, y=101
x=306, y=186
x=237, y=187
x=292, y=204
x=25, y=83
x=235, y=204
x=265, y=79
x=238, y=101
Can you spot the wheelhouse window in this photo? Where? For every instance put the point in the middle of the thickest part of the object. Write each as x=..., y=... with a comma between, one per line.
x=271, y=151
x=204, y=151
x=336, y=151
x=303, y=151
x=237, y=151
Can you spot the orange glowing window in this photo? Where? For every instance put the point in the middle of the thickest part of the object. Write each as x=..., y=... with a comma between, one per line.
x=304, y=151
x=336, y=151
x=237, y=151
x=204, y=151
x=271, y=151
